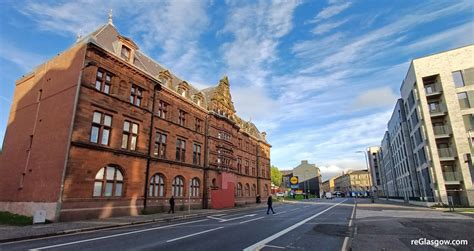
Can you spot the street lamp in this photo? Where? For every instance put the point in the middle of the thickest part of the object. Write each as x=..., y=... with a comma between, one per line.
x=367, y=164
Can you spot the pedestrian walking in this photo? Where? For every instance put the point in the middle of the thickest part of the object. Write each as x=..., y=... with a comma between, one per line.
x=171, y=205
x=269, y=203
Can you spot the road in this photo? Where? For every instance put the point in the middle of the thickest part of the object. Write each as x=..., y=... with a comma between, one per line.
x=308, y=225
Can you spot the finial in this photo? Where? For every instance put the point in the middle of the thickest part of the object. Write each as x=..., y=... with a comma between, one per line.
x=79, y=35
x=110, y=16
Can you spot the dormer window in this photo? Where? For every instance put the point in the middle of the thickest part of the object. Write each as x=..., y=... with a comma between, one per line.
x=183, y=92
x=125, y=53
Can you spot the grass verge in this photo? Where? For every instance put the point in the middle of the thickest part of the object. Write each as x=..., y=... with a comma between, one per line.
x=7, y=218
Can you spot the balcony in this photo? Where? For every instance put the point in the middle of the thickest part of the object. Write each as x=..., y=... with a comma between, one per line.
x=446, y=154
x=451, y=178
x=441, y=131
x=436, y=110
x=432, y=90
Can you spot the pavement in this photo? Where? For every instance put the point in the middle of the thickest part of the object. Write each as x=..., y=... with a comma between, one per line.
x=385, y=225
x=305, y=225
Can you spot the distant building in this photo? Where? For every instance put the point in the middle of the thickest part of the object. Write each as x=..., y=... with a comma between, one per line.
x=309, y=177
x=328, y=185
x=354, y=183
x=285, y=179
x=373, y=154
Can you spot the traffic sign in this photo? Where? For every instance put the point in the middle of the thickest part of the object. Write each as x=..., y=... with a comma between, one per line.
x=294, y=180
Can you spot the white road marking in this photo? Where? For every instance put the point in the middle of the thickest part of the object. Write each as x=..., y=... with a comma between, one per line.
x=272, y=246
x=116, y=235
x=215, y=215
x=236, y=218
x=198, y=233
x=251, y=220
x=346, y=239
x=280, y=213
x=273, y=237
x=214, y=218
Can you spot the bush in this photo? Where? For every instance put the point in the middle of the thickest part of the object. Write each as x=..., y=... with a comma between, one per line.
x=15, y=219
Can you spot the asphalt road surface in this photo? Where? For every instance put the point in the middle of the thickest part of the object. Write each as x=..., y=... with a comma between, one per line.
x=313, y=224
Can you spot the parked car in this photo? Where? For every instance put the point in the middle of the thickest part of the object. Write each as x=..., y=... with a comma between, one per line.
x=329, y=195
x=280, y=194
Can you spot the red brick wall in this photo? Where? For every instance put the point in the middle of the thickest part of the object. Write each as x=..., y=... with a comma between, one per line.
x=48, y=119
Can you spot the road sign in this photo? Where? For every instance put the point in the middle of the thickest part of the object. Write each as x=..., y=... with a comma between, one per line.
x=294, y=180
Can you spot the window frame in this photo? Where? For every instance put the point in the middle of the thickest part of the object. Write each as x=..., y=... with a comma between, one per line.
x=160, y=145
x=104, y=181
x=103, y=84
x=194, y=187
x=101, y=128
x=130, y=136
x=178, y=186
x=157, y=188
x=136, y=95
x=182, y=118
x=180, y=150
x=162, y=109
x=197, y=154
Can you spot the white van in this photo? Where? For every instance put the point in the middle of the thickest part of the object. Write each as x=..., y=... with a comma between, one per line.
x=329, y=195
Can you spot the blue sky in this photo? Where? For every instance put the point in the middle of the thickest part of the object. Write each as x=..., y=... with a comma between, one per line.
x=320, y=77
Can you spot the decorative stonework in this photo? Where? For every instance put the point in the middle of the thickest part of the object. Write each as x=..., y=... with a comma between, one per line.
x=221, y=100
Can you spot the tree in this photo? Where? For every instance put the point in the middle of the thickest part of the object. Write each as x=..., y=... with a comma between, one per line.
x=275, y=175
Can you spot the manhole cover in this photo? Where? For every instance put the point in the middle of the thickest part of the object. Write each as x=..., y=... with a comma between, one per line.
x=332, y=229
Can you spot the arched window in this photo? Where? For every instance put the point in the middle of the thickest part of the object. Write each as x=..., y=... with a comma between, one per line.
x=239, y=189
x=254, y=190
x=265, y=189
x=194, y=187
x=157, y=186
x=178, y=186
x=108, y=182
x=247, y=189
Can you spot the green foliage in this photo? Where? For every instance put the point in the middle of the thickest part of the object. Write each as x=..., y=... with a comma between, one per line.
x=15, y=219
x=275, y=175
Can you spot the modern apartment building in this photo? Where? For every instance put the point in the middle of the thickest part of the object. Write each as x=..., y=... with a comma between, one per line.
x=406, y=178
x=438, y=97
x=103, y=130
x=375, y=166
x=426, y=152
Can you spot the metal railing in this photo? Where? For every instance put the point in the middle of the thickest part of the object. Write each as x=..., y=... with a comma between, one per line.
x=450, y=176
x=440, y=129
x=431, y=89
x=445, y=153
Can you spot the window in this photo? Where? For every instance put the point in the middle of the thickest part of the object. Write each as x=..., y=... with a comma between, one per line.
x=254, y=190
x=157, y=186
x=247, y=167
x=197, y=154
x=240, y=143
x=102, y=81
x=136, y=95
x=125, y=53
x=254, y=171
x=162, y=109
x=101, y=127
x=194, y=187
x=434, y=107
x=239, y=189
x=458, y=79
x=265, y=189
x=247, y=146
x=198, y=125
x=160, y=145
x=178, y=186
x=130, y=135
x=239, y=164
x=463, y=100
x=468, y=122
x=247, y=190
x=182, y=118
x=180, y=150
x=108, y=182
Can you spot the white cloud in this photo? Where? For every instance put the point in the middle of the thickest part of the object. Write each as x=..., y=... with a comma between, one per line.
x=23, y=59
x=256, y=29
x=377, y=97
x=330, y=11
x=452, y=37
x=328, y=26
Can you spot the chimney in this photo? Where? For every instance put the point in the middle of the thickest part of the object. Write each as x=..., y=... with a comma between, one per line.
x=304, y=162
x=264, y=136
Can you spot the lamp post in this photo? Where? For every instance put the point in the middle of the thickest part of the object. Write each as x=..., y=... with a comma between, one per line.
x=367, y=165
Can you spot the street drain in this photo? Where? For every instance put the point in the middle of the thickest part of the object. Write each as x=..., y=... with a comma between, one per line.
x=332, y=229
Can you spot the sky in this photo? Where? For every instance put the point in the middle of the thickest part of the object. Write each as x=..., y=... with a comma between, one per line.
x=320, y=77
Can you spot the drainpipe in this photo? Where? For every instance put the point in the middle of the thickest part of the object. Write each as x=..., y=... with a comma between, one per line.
x=156, y=88
x=205, y=194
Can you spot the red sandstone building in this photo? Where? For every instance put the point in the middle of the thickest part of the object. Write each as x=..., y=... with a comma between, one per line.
x=102, y=130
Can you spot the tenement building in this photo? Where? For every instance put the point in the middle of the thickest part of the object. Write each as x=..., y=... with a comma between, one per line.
x=426, y=152
x=354, y=183
x=103, y=130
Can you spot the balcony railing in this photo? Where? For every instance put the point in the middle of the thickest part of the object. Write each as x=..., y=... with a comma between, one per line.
x=445, y=153
x=432, y=89
x=450, y=176
x=440, y=130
